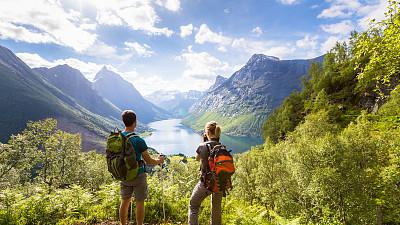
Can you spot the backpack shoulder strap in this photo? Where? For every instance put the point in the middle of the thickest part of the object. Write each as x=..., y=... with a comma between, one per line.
x=128, y=136
x=211, y=145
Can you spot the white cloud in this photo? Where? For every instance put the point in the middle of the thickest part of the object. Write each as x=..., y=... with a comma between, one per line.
x=308, y=42
x=143, y=17
x=310, y=45
x=147, y=84
x=263, y=47
x=105, y=17
x=101, y=50
x=206, y=35
x=329, y=44
x=202, y=65
x=137, y=14
x=288, y=2
x=222, y=49
x=34, y=60
x=186, y=30
x=340, y=8
x=257, y=31
x=345, y=8
x=141, y=50
x=89, y=69
x=172, y=5
x=344, y=27
x=373, y=11
x=19, y=33
x=44, y=22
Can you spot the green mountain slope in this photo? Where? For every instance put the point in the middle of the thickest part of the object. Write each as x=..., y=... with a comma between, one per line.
x=72, y=82
x=242, y=103
x=25, y=95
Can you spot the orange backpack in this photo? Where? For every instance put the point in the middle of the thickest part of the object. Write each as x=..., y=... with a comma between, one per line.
x=221, y=168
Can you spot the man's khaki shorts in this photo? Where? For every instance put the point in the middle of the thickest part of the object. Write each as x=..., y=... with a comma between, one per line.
x=137, y=187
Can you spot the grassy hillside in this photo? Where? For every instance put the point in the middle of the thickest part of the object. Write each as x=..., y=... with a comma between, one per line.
x=237, y=125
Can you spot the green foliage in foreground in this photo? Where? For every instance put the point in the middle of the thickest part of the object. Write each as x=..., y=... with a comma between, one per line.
x=332, y=152
x=323, y=174
x=46, y=179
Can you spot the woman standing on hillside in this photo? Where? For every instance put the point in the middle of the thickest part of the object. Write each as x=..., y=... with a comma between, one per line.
x=211, y=137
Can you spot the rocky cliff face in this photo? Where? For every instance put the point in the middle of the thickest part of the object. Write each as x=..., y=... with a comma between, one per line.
x=243, y=101
x=218, y=81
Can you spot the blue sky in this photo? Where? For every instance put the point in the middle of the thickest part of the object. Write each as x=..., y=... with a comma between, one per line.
x=176, y=44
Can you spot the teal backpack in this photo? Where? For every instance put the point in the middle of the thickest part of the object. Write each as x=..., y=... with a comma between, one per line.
x=121, y=156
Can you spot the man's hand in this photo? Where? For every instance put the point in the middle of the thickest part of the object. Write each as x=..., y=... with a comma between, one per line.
x=152, y=161
x=161, y=159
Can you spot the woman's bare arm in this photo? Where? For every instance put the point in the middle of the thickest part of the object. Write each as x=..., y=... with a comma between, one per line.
x=198, y=157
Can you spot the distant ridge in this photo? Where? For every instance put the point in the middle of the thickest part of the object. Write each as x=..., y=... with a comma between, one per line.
x=124, y=95
x=175, y=102
x=72, y=82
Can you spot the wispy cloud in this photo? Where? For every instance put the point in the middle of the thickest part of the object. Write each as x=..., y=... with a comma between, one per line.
x=257, y=31
x=186, y=30
x=89, y=69
x=202, y=65
x=44, y=22
x=344, y=27
x=172, y=5
x=138, y=15
x=142, y=50
x=329, y=43
x=374, y=11
x=340, y=8
x=263, y=47
x=310, y=44
x=205, y=34
x=288, y=2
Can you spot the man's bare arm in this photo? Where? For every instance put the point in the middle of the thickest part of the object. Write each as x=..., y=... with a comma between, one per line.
x=150, y=160
x=198, y=157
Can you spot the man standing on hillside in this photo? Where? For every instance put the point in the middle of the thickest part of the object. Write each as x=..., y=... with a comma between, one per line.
x=138, y=186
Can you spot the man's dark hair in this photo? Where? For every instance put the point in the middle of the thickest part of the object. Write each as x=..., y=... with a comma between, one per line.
x=129, y=117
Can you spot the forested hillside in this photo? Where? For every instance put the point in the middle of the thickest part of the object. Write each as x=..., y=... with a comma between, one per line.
x=332, y=151
x=331, y=156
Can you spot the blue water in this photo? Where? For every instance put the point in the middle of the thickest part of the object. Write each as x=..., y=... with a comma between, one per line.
x=171, y=137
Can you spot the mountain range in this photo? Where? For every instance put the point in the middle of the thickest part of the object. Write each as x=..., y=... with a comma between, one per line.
x=242, y=103
x=73, y=83
x=125, y=96
x=63, y=93
x=26, y=95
